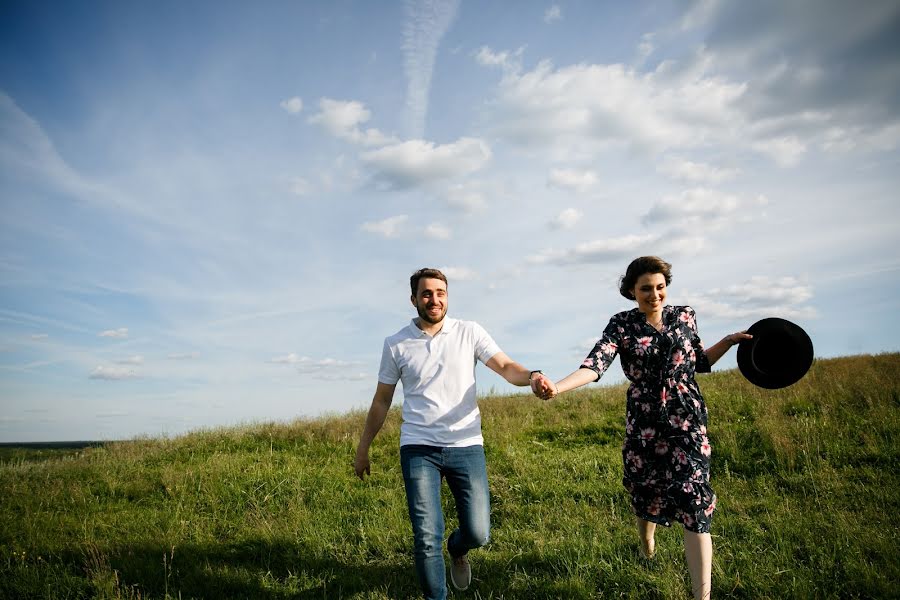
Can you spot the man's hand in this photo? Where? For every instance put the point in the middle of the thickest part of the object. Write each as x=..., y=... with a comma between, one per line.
x=361, y=464
x=542, y=387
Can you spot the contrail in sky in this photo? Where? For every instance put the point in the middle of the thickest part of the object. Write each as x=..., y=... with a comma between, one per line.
x=426, y=23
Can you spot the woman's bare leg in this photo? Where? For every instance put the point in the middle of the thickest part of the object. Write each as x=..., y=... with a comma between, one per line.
x=698, y=552
x=646, y=529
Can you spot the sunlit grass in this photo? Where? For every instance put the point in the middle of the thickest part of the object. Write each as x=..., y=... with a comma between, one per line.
x=808, y=477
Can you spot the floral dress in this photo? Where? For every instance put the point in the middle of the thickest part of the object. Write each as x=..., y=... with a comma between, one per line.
x=666, y=450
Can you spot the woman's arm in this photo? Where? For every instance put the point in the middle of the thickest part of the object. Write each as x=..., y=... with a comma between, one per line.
x=573, y=380
x=718, y=350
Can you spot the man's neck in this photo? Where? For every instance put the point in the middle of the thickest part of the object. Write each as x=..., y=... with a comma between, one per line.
x=431, y=329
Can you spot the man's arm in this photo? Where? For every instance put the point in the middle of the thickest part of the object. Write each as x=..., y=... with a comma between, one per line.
x=384, y=395
x=509, y=369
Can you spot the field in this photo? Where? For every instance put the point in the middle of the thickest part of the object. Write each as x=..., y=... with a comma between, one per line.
x=808, y=479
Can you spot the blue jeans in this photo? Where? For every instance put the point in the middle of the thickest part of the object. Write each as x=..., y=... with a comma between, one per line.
x=466, y=474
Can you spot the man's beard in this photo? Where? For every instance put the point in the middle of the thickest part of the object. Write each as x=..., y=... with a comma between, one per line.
x=423, y=314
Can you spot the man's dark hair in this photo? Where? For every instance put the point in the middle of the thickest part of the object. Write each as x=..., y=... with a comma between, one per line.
x=424, y=274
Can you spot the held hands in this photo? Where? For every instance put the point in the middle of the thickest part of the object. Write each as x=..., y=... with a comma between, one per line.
x=542, y=387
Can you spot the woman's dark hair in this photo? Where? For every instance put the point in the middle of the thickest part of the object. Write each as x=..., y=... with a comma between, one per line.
x=424, y=274
x=641, y=266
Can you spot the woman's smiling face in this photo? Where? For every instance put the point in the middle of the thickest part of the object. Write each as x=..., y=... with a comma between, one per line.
x=650, y=292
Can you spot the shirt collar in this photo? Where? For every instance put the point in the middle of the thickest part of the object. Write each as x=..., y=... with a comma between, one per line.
x=449, y=325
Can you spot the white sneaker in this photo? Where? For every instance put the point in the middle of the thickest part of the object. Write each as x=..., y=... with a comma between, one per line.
x=460, y=572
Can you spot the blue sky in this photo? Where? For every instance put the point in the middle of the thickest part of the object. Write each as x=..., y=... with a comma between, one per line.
x=211, y=210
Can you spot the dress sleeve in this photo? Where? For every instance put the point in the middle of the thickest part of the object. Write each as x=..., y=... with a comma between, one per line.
x=605, y=350
x=702, y=362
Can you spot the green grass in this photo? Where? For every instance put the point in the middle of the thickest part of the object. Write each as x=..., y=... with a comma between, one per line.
x=808, y=479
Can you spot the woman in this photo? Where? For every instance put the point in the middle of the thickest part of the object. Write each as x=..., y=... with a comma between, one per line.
x=666, y=450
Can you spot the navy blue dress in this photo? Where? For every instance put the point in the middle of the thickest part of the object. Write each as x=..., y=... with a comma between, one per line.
x=666, y=450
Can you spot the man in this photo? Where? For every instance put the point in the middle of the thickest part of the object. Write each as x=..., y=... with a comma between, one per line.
x=434, y=357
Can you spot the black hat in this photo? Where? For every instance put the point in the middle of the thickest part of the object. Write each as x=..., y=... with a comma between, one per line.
x=779, y=354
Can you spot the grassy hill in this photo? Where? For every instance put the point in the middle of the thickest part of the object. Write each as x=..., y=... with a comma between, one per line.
x=808, y=479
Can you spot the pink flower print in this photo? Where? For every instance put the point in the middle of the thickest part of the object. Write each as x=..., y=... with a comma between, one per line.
x=609, y=348
x=662, y=447
x=685, y=425
x=588, y=362
x=634, y=460
x=664, y=396
x=676, y=421
x=703, y=429
x=655, y=506
x=629, y=426
x=705, y=448
x=688, y=318
x=698, y=474
x=645, y=406
x=712, y=506
x=688, y=520
x=643, y=344
x=678, y=359
x=680, y=456
x=688, y=487
x=647, y=433
x=682, y=388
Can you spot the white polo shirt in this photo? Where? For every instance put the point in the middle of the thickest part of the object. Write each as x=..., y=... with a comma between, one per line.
x=438, y=375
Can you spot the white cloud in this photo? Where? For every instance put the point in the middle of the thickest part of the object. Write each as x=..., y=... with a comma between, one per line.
x=553, y=14
x=343, y=376
x=289, y=359
x=292, y=105
x=619, y=249
x=760, y=297
x=567, y=219
x=328, y=369
x=39, y=336
x=458, y=273
x=389, y=228
x=311, y=366
x=120, y=333
x=694, y=207
x=645, y=48
x=184, y=356
x=131, y=360
x=594, y=251
x=436, y=231
x=508, y=61
x=695, y=172
x=584, y=346
x=342, y=119
x=572, y=179
x=425, y=24
x=465, y=197
x=576, y=110
x=785, y=151
x=417, y=162
x=581, y=107
x=113, y=373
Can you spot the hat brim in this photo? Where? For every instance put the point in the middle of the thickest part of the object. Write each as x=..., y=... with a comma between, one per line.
x=779, y=354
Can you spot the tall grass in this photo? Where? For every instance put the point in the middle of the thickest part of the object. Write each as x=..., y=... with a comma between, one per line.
x=808, y=479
